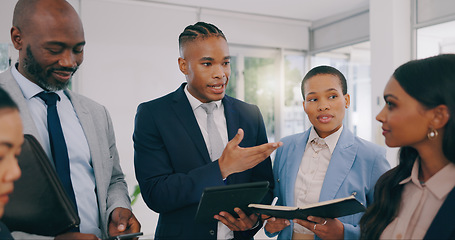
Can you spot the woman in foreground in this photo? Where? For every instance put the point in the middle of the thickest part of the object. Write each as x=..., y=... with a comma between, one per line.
x=11, y=139
x=416, y=199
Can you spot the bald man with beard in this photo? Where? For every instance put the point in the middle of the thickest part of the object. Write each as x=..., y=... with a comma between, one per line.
x=50, y=39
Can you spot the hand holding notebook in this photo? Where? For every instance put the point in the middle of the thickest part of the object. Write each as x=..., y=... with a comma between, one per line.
x=327, y=209
x=226, y=198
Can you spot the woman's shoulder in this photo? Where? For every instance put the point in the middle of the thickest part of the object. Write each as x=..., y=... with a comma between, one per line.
x=4, y=232
x=367, y=146
x=298, y=137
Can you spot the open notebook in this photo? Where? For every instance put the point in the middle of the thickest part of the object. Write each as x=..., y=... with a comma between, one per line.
x=328, y=209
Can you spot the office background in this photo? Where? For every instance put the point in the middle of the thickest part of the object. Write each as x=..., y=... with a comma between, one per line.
x=132, y=50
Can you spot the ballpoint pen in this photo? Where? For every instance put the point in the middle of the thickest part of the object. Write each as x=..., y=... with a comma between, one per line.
x=273, y=204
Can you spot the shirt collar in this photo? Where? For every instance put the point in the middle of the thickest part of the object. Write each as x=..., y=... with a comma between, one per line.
x=330, y=140
x=414, y=175
x=446, y=175
x=29, y=89
x=194, y=102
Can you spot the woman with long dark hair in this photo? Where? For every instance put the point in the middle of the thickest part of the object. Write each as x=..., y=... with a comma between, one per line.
x=11, y=139
x=416, y=199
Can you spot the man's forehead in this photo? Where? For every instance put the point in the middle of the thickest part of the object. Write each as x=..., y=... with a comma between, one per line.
x=52, y=11
x=202, y=48
x=55, y=28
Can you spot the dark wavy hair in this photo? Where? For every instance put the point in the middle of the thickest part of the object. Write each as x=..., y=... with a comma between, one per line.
x=6, y=101
x=431, y=81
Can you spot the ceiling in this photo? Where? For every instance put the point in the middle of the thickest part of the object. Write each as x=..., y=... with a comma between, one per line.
x=309, y=10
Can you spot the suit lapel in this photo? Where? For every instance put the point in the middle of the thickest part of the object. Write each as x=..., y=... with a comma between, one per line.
x=340, y=164
x=232, y=123
x=232, y=117
x=91, y=133
x=182, y=109
x=8, y=82
x=294, y=160
x=442, y=226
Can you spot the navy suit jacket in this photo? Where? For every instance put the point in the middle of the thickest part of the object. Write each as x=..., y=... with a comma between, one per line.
x=442, y=226
x=4, y=232
x=173, y=165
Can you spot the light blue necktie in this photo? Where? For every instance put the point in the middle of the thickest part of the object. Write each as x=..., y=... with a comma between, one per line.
x=216, y=143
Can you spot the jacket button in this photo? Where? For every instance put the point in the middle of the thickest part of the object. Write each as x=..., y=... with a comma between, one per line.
x=212, y=232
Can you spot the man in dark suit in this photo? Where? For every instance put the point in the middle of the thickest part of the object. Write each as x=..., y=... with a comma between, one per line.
x=181, y=147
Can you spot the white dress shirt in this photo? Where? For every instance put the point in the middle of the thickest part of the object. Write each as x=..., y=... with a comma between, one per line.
x=313, y=167
x=82, y=175
x=220, y=120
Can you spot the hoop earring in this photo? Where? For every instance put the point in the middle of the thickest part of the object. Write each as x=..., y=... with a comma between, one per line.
x=432, y=134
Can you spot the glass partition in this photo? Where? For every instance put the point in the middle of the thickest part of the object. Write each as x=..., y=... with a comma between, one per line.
x=354, y=62
x=294, y=118
x=436, y=39
x=4, y=57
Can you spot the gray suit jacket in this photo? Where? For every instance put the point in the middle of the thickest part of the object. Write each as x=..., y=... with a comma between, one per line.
x=111, y=187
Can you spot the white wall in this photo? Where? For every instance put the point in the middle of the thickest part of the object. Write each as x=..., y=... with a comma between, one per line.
x=6, y=18
x=390, y=39
x=260, y=31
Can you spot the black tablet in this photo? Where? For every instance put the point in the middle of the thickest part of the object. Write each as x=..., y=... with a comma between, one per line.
x=226, y=198
x=125, y=236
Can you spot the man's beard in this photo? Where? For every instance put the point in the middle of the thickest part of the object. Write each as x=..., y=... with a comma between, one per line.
x=32, y=67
